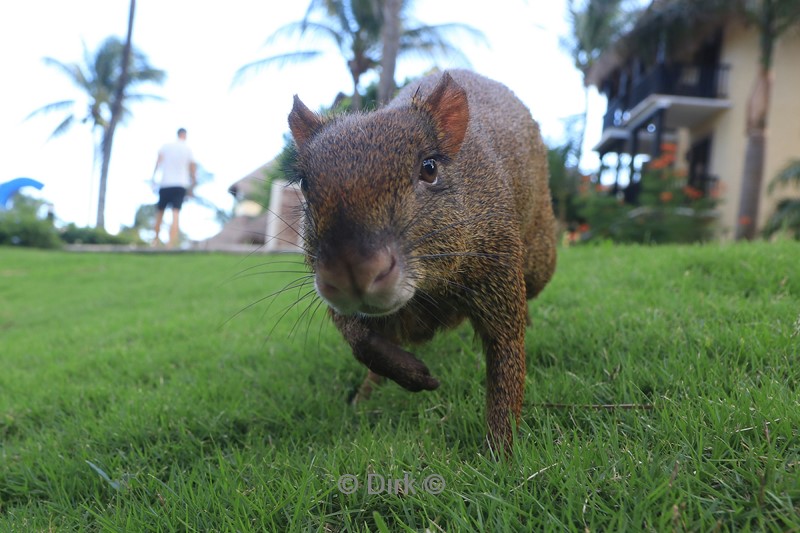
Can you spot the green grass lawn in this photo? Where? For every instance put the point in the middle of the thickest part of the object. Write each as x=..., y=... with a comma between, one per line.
x=170, y=392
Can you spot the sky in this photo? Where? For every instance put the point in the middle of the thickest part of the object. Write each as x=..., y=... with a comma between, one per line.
x=232, y=130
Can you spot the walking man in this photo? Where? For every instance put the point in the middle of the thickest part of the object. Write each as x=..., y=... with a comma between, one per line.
x=178, y=178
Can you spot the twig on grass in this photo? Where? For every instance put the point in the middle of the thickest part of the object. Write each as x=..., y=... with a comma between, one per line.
x=538, y=472
x=674, y=475
x=606, y=406
x=766, y=428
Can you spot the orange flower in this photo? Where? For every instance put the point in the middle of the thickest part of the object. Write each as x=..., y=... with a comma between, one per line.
x=692, y=193
x=745, y=220
x=665, y=196
x=669, y=147
x=657, y=163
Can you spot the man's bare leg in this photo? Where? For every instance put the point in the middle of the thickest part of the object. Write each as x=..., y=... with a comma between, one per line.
x=157, y=227
x=175, y=229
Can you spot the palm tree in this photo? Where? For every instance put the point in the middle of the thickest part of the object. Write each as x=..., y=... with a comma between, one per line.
x=595, y=25
x=99, y=77
x=354, y=26
x=390, y=36
x=116, y=112
x=772, y=18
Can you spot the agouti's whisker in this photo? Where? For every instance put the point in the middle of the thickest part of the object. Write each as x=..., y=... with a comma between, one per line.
x=286, y=311
x=319, y=303
x=242, y=273
x=303, y=314
x=299, y=286
x=289, y=286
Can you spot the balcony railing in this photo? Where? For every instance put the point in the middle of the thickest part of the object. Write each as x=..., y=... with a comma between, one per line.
x=677, y=80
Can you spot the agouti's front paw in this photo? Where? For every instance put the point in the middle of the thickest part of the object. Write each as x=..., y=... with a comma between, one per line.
x=402, y=367
x=416, y=377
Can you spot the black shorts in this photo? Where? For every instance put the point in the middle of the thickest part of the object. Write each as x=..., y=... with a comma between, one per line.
x=170, y=196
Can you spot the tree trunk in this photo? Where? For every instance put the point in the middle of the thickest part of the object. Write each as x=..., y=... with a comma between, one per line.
x=356, y=100
x=391, y=46
x=753, y=172
x=752, y=177
x=355, y=73
x=116, y=111
x=584, y=121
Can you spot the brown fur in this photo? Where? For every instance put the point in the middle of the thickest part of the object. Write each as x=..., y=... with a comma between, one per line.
x=473, y=246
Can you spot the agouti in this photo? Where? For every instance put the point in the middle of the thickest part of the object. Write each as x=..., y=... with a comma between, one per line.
x=431, y=210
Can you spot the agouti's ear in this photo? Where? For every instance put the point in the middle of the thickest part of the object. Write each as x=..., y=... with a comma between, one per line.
x=303, y=122
x=448, y=107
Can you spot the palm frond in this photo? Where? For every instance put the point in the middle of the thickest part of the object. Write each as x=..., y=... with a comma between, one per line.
x=785, y=218
x=139, y=97
x=434, y=42
x=72, y=71
x=343, y=14
x=87, y=56
x=789, y=175
x=450, y=30
x=594, y=26
x=317, y=5
x=368, y=16
x=107, y=62
x=256, y=67
x=62, y=128
x=314, y=29
x=355, y=27
x=146, y=74
x=50, y=108
x=787, y=15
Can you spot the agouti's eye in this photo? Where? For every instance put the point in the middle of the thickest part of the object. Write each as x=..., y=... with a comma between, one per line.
x=429, y=173
x=304, y=185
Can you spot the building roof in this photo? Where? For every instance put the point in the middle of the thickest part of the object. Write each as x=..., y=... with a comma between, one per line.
x=251, y=182
x=670, y=27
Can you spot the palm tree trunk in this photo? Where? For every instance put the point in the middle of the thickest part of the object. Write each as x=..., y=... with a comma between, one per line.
x=391, y=46
x=753, y=172
x=356, y=100
x=116, y=111
x=584, y=120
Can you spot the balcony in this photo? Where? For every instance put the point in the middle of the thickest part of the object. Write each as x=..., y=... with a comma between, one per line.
x=688, y=94
x=689, y=81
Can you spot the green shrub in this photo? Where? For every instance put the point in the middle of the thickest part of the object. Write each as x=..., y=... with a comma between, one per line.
x=72, y=234
x=21, y=225
x=786, y=217
x=668, y=210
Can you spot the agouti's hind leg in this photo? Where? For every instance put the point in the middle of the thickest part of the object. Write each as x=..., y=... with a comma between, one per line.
x=370, y=383
x=503, y=336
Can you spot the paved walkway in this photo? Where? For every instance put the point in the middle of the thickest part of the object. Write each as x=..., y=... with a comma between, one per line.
x=200, y=247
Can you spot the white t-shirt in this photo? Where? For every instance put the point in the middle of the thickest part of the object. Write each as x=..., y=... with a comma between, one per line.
x=175, y=160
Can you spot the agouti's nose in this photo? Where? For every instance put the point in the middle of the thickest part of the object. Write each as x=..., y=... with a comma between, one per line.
x=348, y=280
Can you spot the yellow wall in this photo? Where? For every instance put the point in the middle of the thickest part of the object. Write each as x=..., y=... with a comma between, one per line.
x=783, y=136
x=740, y=51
